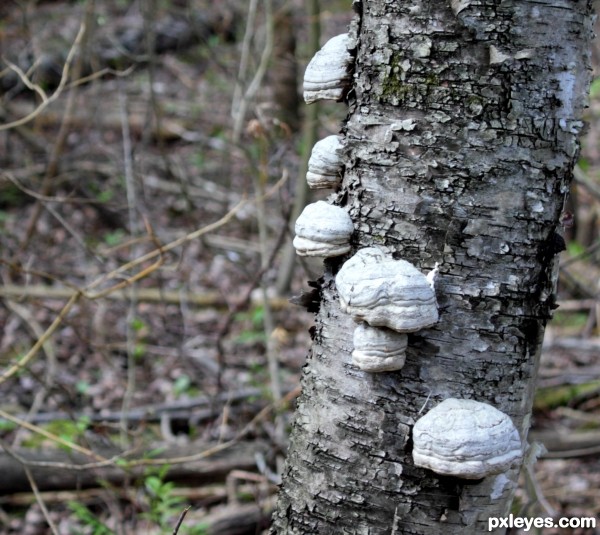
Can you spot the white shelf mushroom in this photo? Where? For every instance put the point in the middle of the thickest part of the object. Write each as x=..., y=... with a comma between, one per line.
x=467, y=439
x=323, y=229
x=328, y=73
x=378, y=349
x=384, y=292
x=325, y=163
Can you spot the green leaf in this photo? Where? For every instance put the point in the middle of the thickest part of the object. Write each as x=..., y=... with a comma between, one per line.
x=575, y=249
x=114, y=238
x=89, y=519
x=5, y=425
x=137, y=324
x=82, y=387
x=182, y=385
x=595, y=88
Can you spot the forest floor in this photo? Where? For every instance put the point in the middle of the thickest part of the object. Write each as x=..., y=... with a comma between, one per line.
x=134, y=275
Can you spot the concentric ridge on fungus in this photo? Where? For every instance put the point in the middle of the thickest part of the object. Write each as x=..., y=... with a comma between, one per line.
x=384, y=292
x=328, y=73
x=325, y=163
x=323, y=229
x=467, y=439
x=378, y=349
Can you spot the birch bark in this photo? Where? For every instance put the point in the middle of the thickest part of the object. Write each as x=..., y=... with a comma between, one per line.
x=461, y=137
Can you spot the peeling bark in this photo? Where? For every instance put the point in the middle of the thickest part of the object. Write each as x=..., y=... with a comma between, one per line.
x=460, y=145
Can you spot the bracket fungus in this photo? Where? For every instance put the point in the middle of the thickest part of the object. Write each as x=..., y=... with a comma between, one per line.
x=325, y=163
x=328, y=73
x=323, y=229
x=384, y=292
x=467, y=439
x=378, y=349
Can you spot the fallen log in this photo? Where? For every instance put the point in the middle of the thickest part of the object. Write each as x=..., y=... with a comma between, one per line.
x=246, y=519
x=154, y=413
x=149, y=295
x=124, y=43
x=567, y=444
x=62, y=470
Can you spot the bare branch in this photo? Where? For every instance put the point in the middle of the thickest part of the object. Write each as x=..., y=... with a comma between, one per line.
x=40, y=501
x=47, y=100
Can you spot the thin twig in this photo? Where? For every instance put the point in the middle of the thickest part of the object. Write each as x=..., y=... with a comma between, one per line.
x=40, y=501
x=260, y=179
x=132, y=308
x=244, y=59
x=25, y=79
x=181, y=517
x=310, y=132
x=188, y=237
x=534, y=452
x=120, y=460
x=151, y=295
x=582, y=178
x=74, y=234
x=227, y=321
x=47, y=100
x=261, y=70
x=18, y=366
x=49, y=369
x=219, y=447
x=47, y=198
x=150, y=413
x=51, y=436
x=584, y=255
x=65, y=466
x=86, y=292
x=61, y=136
x=99, y=74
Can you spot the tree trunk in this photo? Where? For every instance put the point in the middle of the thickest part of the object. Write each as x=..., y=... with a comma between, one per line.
x=460, y=147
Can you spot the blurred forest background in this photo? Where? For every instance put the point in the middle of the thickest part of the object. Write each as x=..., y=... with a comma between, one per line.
x=152, y=157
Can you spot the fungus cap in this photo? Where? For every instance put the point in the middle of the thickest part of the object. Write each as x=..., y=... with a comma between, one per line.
x=325, y=163
x=467, y=439
x=384, y=292
x=323, y=229
x=377, y=349
x=328, y=73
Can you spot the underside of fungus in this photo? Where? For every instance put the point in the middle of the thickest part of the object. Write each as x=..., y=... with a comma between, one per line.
x=328, y=73
x=384, y=292
x=467, y=439
x=323, y=230
x=377, y=349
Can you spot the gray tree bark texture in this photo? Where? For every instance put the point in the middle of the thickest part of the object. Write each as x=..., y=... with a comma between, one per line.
x=461, y=138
